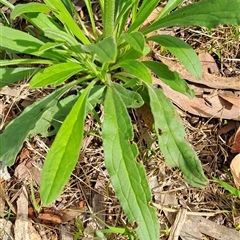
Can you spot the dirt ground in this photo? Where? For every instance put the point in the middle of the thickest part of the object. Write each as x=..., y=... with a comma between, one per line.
x=88, y=202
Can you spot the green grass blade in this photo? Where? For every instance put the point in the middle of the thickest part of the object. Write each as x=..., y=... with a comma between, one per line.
x=11, y=75
x=171, y=4
x=145, y=10
x=64, y=152
x=170, y=131
x=55, y=74
x=205, y=13
x=228, y=187
x=172, y=79
x=18, y=129
x=127, y=176
x=182, y=51
x=29, y=7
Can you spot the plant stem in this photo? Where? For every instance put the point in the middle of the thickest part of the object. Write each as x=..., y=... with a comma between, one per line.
x=108, y=17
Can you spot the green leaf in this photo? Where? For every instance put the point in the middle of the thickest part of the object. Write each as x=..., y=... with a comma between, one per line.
x=54, y=116
x=205, y=13
x=171, y=4
x=145, y=10
x=22, y=42
x=29, y=7
x=130, y=98
x=64, y=152
x=128, y=177
x=11, y=75
x=172, y=79
x=106, y=50
x=55, y=74
x=135, y=40
x=65, y=17
x=182, y=51
x=136, y=69
x=170, y=131
x=18, y=129
x=228, y=187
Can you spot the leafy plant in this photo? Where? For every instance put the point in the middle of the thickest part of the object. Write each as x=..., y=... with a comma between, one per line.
x=64, y=51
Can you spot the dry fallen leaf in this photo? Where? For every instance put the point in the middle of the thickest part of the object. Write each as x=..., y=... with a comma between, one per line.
x=208, y=63
x=235, y=170
x=235, y=142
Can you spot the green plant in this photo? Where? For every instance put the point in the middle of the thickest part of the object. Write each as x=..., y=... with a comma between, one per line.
x=108, y=67
x=228, y=187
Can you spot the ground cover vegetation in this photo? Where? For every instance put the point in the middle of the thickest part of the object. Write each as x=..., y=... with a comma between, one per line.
x=106, y=66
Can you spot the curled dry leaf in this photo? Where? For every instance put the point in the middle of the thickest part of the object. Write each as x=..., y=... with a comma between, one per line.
x=235, y=143
x=208, y=63
x=235, y=170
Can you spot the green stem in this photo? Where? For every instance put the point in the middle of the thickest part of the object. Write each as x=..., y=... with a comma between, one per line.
x=108, y=17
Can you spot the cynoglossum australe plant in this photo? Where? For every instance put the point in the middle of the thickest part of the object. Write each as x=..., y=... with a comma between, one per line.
x=107, y=65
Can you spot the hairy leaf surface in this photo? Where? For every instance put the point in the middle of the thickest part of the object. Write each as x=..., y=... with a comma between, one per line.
x=64, y=152
x=11, y=75
x=30, y=7
x=106, y=50
x=172, y=79
x=55, y=74
x=170, y=131
x=182, y=51
x=127, y=176
x=136, y=69
x=206, y=13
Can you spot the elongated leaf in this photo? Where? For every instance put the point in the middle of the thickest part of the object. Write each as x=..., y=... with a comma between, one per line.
x=170, y=131
x=172, y=79
x=145, y=10
x=11, y=75
x=171, y=4
x=64, y=152
x=22, y=42
x=43, y=21
x=55, y=74
x=64, y=16
x=182, y=51
x=136, y=69
x=127, y=176
x=206, y=13
x=106, y=50
x=29, y=7
x=54, y=116
x=17, y=130
x=130, y=98
x=135, y=40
